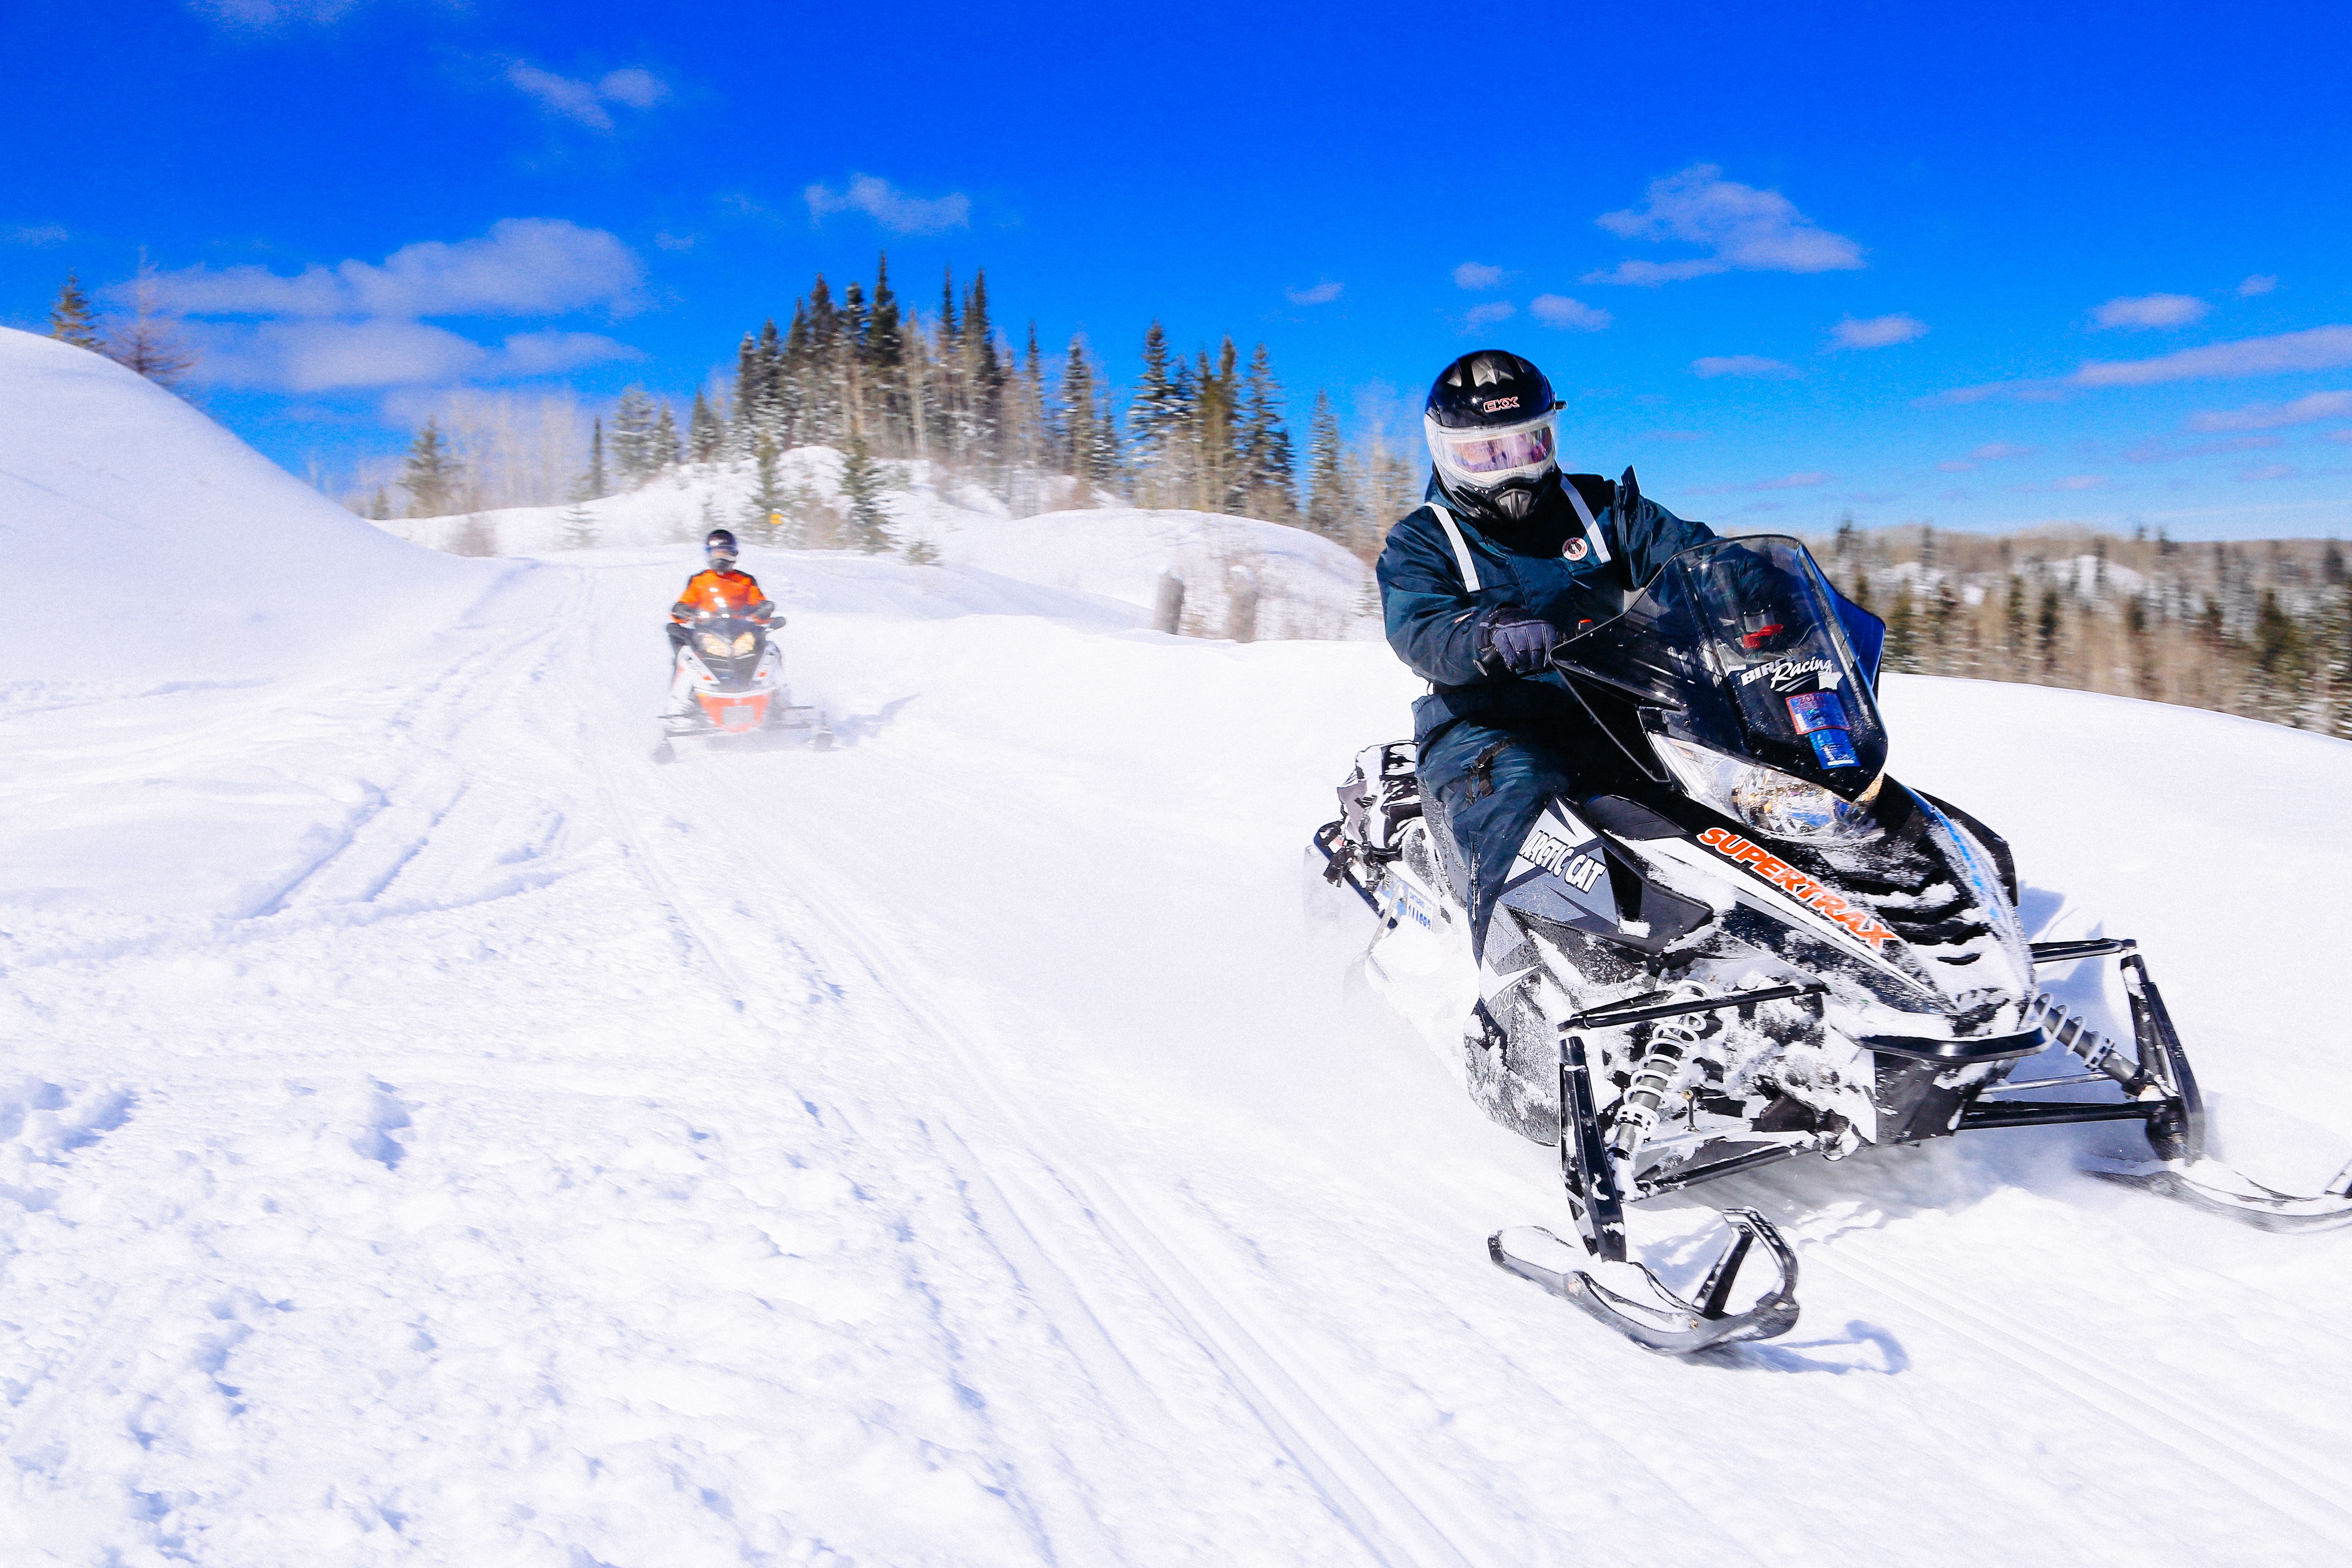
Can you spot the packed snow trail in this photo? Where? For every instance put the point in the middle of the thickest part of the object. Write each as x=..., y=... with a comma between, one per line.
x=482, y=1145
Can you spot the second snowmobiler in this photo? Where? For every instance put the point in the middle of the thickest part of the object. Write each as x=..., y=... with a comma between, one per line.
x=725, y=671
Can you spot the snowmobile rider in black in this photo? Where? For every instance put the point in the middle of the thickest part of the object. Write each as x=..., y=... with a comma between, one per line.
x=1506, y=558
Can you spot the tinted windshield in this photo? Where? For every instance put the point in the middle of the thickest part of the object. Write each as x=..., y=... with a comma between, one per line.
x=1736, y=646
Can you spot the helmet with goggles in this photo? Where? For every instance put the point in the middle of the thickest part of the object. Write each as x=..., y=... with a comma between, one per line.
x=720, y=546
x=1490, y=423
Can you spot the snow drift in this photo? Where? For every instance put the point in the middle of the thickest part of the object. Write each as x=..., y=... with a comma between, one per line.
x=146, y=545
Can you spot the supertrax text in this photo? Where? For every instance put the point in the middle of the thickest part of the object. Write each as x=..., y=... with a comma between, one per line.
x=1798, y=886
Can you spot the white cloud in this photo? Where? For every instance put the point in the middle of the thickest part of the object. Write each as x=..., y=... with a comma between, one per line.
x=308, y=355
x=2156, y=450
x=39, y=234
x=1739, y=365
x=2278, y=416
x=1876, y=332
x=2260, y=283
x=1476, y=275
x=668, y=241
x=1560, y=311
x=1322, y=293
x=261, y=15
x=633, y=86
x=2001, y=451
x=2270, y=471
x=2151, y=310
x=523, y=266
x=2319, y=348
x=1480, y=317
x=584, y=101
x=892, y=208
x=1746, y=229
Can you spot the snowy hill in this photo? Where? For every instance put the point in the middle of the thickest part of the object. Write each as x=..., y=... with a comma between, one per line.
x=1296, y=585
x=432, y=1133
x=145, y=545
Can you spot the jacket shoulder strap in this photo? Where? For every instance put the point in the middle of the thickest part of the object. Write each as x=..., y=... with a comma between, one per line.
x=1462, y=557
x=1585, y=515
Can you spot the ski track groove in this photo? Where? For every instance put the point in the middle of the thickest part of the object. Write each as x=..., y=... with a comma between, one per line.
x=1313, y=1439
x=2243, y=1465
x=1390, y=1524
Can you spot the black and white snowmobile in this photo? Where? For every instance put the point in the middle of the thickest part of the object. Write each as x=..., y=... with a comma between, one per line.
x=728, y=680
x=1746, y=942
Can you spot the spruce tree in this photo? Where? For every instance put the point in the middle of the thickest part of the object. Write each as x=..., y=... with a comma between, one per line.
x=1327, y=474
x=596, y=483
x=1074, y=455
x=634, y=457
x=1267, y=479
x=1903, y=634
x=886, y=359
x=861, y=485
x=702, y=433
x=430, y=474
x=665, y=441
x=72, y=321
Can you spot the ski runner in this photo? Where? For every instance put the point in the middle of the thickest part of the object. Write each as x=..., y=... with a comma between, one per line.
x=1507, y=557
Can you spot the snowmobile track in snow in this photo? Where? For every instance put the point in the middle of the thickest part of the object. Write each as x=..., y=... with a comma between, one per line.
x=1394, y=1526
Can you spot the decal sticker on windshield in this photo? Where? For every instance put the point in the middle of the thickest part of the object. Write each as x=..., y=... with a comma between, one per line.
x=1788, y=674
x=1798, y=886
x=1817, y=710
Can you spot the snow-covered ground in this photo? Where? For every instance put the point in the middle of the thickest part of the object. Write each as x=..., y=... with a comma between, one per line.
x=431, y=1133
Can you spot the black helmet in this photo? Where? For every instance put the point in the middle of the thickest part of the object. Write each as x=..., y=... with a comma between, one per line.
x=1490, y=425
x=720, y=545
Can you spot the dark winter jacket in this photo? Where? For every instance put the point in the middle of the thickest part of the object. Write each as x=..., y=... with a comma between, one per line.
x=1553, y=566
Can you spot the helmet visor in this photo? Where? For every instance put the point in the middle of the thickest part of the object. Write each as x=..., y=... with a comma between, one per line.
x=1482, y=453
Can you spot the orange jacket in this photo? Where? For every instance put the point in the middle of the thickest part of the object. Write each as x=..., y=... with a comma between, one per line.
x=721, y=593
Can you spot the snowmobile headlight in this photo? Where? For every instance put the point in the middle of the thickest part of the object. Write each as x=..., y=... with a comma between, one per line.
x=713, y=645
x=1772, y=803
x=744, y=642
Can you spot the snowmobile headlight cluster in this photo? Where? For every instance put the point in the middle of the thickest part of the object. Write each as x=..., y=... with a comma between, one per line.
x=716, y=647
x=1774, y=804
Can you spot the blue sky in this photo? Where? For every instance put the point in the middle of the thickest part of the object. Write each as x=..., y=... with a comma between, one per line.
x=1991, y=266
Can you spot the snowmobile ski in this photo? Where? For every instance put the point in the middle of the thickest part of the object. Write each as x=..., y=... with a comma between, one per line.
x=1675, y=1326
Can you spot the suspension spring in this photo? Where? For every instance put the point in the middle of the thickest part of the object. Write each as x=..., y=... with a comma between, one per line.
x=2098, y=1052
x=1671, y=1041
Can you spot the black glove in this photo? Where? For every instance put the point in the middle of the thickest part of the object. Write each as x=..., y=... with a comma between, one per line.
x=1520, y=642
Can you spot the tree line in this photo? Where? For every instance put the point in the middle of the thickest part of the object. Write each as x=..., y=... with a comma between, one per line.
x=2260, y=628
x=865, y=374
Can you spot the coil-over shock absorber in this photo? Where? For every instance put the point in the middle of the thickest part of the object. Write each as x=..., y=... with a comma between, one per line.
x=1673, y=1041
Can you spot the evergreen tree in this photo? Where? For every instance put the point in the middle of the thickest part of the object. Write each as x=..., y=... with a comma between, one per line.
x=1327, y=476
x=578, y=527
x=634, y=457
x=72, y=321
x=2280, y=664
x=1076, y=453
x=765, y=504
x=1268, y=477
x=1153, y=418
x=861, y=485
x=596, y=483
x=886, y=361
x=702, y=433
x=1903, y=634
x=2046, y=625
x=665, y=441
x=430, y=475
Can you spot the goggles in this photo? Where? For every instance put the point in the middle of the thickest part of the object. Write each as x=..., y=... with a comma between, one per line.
x=1489, y=456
